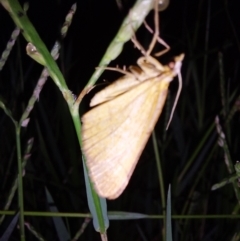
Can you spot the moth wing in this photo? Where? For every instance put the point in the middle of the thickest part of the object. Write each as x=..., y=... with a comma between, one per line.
x=120, y=86
x=115, y=133
x=147, y=68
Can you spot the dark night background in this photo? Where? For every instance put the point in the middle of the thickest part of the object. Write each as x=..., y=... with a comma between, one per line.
x=200, y=29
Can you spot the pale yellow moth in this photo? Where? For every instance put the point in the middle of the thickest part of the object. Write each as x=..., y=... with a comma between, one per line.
x=116, y=130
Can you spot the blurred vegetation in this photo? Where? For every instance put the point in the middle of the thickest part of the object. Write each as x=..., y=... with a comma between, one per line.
x=194, y=153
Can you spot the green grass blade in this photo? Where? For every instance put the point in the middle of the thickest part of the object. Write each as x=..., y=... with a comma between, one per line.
x=169, y=218
x=97, y=206
x=20, y=18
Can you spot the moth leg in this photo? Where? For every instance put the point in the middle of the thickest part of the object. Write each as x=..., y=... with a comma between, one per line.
x=156, y=30
x=137, y=44
x=156, y=37
x=159, y=40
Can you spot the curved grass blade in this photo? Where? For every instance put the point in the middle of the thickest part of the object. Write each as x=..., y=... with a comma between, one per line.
x=30, y=34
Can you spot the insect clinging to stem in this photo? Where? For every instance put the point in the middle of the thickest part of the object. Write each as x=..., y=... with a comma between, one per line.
x=116, y=130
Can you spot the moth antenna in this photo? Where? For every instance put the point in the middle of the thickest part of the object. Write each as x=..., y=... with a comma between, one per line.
x=176, y=99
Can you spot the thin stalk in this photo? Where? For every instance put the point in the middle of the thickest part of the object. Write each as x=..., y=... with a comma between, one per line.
x=161, y=182
x=20, y=184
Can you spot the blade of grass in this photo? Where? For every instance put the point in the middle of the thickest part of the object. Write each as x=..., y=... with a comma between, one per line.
x=168, y=217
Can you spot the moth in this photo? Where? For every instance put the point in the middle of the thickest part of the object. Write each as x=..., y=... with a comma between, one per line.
x=116, y=130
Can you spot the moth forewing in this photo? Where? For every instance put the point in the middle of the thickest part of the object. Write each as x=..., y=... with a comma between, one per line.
x=148, y=67
x=118, y=87
x=115, y=132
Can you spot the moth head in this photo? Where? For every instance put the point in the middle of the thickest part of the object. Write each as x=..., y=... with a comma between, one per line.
x=177, y=64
